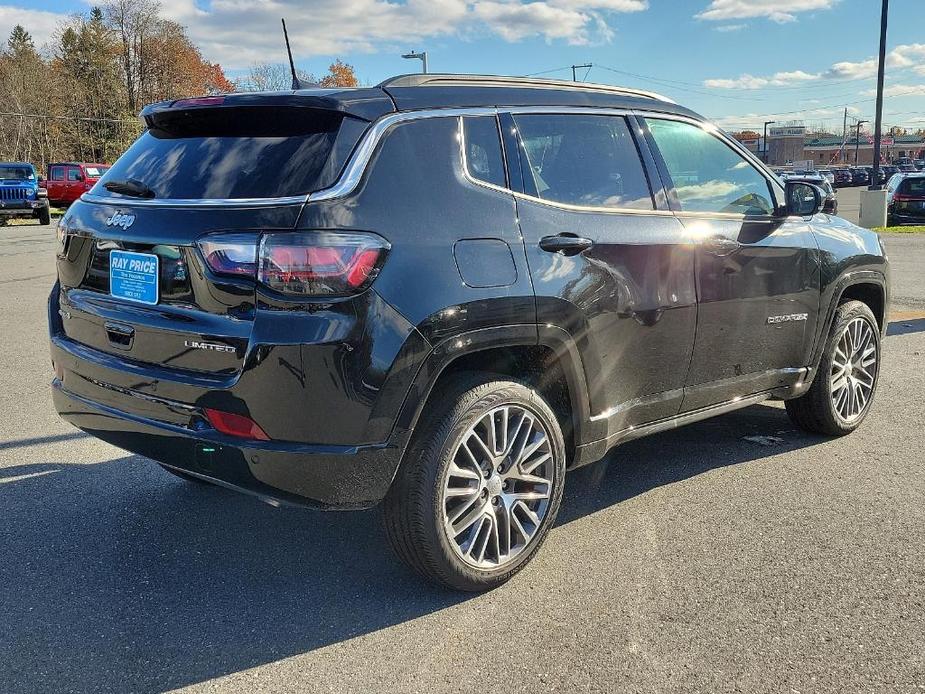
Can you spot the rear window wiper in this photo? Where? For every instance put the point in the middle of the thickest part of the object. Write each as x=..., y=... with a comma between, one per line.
x=136, y=189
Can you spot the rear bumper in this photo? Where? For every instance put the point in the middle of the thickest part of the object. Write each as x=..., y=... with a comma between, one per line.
x=904, y=217
x=329, y=446
x=321, y=476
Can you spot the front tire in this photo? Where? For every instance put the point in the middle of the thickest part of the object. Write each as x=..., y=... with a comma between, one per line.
x=44, y=215
x=846, y=382
x=479, y=486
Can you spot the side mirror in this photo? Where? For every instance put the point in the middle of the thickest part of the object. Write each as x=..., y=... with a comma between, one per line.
x=803, y=199
x=80, y=177
x=41, y=193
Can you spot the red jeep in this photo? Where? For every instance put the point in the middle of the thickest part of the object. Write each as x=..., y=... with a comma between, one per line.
x=67, y=181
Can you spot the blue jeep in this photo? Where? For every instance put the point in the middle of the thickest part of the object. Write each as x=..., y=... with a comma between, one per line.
x=20, y=193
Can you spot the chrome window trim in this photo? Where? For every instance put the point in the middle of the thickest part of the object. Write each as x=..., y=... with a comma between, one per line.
x=361, y=156
x=193, y=202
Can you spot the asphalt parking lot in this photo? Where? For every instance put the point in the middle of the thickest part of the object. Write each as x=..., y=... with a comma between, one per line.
x=697, y=560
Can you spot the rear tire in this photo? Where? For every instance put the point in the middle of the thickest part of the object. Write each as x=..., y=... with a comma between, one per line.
x=846, y=382
x=470, y=522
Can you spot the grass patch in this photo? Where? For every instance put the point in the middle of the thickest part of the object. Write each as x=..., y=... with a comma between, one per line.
x=900, y=230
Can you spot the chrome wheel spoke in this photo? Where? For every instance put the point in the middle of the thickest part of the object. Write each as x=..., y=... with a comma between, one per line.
x=853, y=374
x=497, y=488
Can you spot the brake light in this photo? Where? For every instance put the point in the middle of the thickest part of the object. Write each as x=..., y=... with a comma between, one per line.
x=905, y=197
x=230, y=254
x=199, y=101
x=320, y=263
x=235, y=425
x=306, y=264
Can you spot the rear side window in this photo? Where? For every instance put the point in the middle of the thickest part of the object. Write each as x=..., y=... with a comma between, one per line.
x=708, y=175
x=238, y=152
x=585, y=160
x=56, y=173
x=482, y=139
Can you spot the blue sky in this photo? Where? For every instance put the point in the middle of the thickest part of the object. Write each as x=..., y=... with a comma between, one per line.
x=738, y=61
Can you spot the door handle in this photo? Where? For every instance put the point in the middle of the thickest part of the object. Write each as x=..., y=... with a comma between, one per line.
x=566, y=244
x=720, y=245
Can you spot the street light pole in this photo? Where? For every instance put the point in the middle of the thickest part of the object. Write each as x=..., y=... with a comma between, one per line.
x=857, y=139
x=422, y=56
x=766, y=124
x=884, y=12
x=575, y=67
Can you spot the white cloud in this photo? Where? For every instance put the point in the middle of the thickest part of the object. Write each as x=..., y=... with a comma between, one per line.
x=746, y=81
x=754, y=120
x=237, y=33
x=39, y=23
x=904, y=56
x=898, y=90
x=776, y=10
x=726, y=28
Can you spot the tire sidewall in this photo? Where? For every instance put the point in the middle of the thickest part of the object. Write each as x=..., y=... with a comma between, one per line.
x=495, y=394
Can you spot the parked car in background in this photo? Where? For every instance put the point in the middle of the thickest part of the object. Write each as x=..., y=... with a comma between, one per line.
x=881, y=175
x=908, y=168
x=828, y=175
x=919, y=164
x=830, y=202
x=442, y=292
x=67, y=181
x=889, y=170
x=842, y=178
x=21, y=193
x=859, y=176
x=905, y=199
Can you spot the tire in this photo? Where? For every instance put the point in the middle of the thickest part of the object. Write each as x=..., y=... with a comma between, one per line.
x=824, y=410
x=45, y=215
x=425, y=499
x=183, y=475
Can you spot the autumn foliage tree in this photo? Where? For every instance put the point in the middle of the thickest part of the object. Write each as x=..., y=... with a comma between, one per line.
x=80, y=99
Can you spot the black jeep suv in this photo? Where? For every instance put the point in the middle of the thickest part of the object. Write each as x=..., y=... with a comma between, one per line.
x=443, y=292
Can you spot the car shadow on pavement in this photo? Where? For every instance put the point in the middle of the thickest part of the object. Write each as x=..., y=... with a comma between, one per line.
x=905, y=327
x=119, y=577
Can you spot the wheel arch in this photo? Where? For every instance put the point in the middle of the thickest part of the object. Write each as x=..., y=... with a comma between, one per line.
x=545, y=358
x=868, y=286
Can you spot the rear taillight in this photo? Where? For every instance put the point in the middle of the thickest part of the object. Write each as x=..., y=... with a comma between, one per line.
x=320, y=263
x=305, y=264
x=905, y=197
x=230, y=254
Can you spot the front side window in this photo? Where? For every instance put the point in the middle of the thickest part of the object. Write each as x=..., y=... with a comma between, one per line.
x=584, y=160
x=708, y=175
x=482, y=139
x=73, y=173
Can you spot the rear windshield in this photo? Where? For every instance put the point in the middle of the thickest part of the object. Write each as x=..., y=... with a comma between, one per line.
x=913, y=186
x=238, y=152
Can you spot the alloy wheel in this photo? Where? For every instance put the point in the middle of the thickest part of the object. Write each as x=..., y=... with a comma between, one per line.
x=497, y=487
x=854, y=370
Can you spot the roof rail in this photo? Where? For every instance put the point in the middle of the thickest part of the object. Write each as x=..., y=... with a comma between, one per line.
x=459, y=80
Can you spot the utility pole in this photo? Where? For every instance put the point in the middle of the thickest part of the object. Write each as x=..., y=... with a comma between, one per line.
x=884, y=12
x=873, y=212
x=844, y=137
x=422, y=56
x=766, y=124
x=575, y=67
x=857, y=139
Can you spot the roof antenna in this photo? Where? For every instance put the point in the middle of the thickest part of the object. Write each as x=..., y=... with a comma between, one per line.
x=296, y=83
